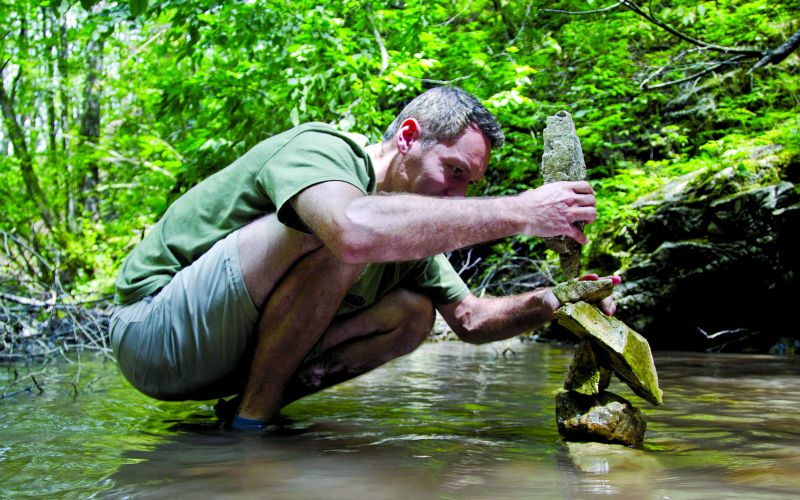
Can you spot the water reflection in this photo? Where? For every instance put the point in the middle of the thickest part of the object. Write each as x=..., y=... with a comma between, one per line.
x=451, y=420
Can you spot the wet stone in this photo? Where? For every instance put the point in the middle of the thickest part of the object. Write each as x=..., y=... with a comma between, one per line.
x=606, y=417
x=586, y=291
x=587, y=375
x=628, y=352
x=562, y=160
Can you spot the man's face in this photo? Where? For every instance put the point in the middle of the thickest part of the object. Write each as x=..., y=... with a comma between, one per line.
x=447, y=169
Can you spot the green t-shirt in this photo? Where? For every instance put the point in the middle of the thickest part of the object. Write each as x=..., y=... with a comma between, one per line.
x=262, y=181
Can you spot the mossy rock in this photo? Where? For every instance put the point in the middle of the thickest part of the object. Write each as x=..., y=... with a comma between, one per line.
x=628, y=352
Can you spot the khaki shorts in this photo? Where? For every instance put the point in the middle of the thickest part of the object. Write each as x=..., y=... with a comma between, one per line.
x=195, y=337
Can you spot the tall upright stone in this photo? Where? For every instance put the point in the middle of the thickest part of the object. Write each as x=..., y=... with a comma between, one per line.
x=563, y=161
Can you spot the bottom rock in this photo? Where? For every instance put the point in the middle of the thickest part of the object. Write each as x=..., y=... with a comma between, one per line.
x=605, y=417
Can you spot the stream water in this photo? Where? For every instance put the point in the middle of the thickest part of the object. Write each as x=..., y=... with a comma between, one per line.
x=450, y=420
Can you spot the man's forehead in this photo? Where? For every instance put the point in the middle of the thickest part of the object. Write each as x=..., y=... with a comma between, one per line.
x=472, y=147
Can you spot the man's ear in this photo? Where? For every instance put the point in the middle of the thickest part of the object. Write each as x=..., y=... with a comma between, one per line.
x=408, y=133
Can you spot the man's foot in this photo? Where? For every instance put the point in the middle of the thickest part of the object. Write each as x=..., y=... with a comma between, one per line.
x=249, y=424
x=225, y=410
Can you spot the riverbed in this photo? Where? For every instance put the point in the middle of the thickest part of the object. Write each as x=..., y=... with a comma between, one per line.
x=450, y=420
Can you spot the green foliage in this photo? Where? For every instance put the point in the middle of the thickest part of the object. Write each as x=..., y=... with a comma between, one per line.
x=184, y=87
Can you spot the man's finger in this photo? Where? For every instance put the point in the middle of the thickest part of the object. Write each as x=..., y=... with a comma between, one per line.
x=586, y=214
x=608, y=306
x=578, y=236
x=582, y=187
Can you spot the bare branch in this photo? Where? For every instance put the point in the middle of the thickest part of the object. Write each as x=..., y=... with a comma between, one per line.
x=381, y=46
x=21, y=244
x=699, y=74
x=660, y=71
x=522, y=25
x=467, y=6
x=779, y=54
x=750, y=51
x=28, y=302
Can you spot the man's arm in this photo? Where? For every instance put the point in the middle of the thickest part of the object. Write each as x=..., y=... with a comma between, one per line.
x=478, y=320
x=402, y=227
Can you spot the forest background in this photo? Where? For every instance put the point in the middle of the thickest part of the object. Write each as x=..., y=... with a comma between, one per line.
x=113, y=109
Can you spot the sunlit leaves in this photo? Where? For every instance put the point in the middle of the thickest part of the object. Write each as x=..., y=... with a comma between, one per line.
x=189, y=85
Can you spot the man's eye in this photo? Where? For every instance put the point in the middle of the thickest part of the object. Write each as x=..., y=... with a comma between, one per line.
x=456, y=170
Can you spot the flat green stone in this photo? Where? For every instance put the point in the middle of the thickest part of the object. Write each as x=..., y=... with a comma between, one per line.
x=586, y=291
x=628, y=352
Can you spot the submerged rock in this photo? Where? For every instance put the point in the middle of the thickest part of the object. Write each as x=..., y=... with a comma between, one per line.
x=587, y=375
x=605, y=458
x=562, y=160
x=628, y=352
x=604, y=417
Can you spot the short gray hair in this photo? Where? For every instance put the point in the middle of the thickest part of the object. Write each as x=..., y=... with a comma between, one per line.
x=443, y=113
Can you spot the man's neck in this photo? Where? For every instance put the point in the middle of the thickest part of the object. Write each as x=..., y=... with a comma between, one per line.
x=381, y=156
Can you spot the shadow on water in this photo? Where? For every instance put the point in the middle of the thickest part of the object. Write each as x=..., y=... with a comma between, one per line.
x=449, y=421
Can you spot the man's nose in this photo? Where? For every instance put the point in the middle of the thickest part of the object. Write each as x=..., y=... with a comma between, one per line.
x=455, y=194
x=458, y=191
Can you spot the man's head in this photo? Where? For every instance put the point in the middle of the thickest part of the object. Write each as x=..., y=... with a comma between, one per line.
x=442, y=140
x=443, y=114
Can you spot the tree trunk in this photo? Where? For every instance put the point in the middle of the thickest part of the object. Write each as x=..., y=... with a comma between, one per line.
x=63, y=75
x=509, y=28
x=90, y=123
x=17, y=136
x=49, y=36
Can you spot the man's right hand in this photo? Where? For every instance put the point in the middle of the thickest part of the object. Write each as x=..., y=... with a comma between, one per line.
x=552, y=209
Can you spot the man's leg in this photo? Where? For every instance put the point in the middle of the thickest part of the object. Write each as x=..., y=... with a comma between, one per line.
x=296, y=313
x=301, y=286
x=393, y=327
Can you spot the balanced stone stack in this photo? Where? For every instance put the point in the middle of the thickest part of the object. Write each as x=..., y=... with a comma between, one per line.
x=585, y=410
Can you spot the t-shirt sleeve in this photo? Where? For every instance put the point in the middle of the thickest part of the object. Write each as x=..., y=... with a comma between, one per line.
x=309, y=158
x=436, y=278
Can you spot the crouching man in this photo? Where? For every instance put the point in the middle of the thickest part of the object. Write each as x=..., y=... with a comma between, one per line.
x=314, y=258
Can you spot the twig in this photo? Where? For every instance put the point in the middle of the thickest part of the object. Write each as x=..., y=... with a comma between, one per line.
x=20, y=379
x=36, y=383
x=595, y=11
x=22, y=244
x=77, y=377
x=722, y=332
x=458, y=14
x=381, y=46
x=669, y=65
x=697, y=75
x=522, y=25
x=28, y=302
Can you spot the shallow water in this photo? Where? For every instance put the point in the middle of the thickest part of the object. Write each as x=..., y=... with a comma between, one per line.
x=449, y=421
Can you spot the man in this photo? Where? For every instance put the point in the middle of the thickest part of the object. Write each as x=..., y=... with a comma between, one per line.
x=313, y=259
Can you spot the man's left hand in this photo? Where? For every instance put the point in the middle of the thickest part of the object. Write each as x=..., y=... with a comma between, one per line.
x=606, y=305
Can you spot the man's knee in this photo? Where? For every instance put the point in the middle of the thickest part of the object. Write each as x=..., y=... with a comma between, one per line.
x=416, y=316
